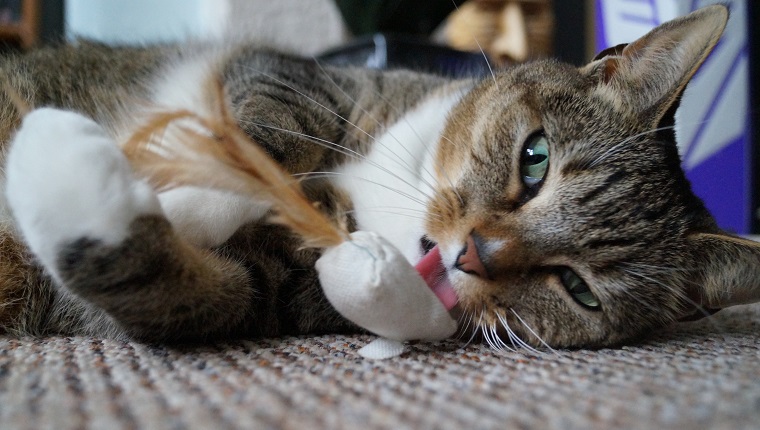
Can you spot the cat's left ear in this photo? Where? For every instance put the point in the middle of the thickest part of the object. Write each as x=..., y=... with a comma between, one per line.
x=726, y=272
x=649, y=75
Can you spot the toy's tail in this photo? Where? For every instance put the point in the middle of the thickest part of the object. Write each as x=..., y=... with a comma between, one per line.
x=178, y=148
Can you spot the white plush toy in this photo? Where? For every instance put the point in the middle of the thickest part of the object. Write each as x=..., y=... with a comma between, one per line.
x=365, y=277
x=370, y=282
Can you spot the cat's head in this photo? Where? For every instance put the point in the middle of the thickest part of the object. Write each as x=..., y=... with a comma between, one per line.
x=563, y=212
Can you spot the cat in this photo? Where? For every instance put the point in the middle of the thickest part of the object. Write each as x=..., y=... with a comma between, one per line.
x=554, y=194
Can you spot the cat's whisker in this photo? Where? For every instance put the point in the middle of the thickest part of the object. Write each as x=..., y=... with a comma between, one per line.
x=343, y=150
x=678, y=293
x=533, y=332
x=658, y=269
x=485, y=334
x=428, y=148
x=417, y=214
x=620, y=145
x=465, y=327
x=482, y=332
x=346, y=120
x=513, y=338
x=617, y=147
x=516, y=340
x=389, y=212
x=507, y=330
x=393, y=207
x=500, y=344
x=470, y=321
x=314, y=175
x=322, y=142
x=488, y=63
x=483, y=328
x=493, y=338
x=629, y=290
x=519, y=343
x=378, y=123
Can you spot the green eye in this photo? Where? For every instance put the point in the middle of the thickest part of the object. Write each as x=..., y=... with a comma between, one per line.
x=535, y=160
x=578, y=289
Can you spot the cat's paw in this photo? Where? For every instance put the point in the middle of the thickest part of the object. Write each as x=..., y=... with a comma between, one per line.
x=67, y=179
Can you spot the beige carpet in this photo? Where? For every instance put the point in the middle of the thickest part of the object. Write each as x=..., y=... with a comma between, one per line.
x=694, y=376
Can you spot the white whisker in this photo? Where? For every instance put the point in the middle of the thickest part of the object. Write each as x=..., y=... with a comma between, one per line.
x=377, y=122
x=514, y=338
x=322, y=142
x=347, y=121
x=389, y=212
x=632, y=270
x=488, y=63
x=391, y=207
x=346, y=151
x=428, y=148
x=463, y=322
x=620, y=145
x=475, y=329
x=522, y=321
x=497, y=339
x=314, y=175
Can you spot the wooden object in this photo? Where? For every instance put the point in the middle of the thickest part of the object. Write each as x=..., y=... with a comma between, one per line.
x=19, y=22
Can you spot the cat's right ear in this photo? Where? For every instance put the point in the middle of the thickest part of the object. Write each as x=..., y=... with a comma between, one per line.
x=726, y=272
x=649, y=75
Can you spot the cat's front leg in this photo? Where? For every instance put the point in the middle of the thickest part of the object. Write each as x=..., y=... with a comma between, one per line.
x=66, y=180
x=101, y=233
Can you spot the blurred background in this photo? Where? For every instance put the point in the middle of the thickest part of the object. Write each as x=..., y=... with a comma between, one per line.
x=719, y=148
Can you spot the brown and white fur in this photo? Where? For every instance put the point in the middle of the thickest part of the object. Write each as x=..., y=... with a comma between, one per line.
x=89, y=248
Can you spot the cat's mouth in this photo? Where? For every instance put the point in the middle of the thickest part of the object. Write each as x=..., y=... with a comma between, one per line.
x=434, y=273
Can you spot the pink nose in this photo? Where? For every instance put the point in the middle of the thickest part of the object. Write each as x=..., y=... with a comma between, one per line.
x=469, y=259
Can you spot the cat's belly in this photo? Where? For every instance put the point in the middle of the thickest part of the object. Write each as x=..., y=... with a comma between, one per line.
x=391, y=186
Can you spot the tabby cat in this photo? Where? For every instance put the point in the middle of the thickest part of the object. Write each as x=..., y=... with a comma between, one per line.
x=554, y=194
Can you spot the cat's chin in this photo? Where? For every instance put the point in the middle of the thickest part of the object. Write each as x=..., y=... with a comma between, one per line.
x=434, y=273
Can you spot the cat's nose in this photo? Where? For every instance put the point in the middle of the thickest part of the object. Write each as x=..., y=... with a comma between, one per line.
x=469, y=260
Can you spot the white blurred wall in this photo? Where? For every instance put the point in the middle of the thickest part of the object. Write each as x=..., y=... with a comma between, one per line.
x=305, y=26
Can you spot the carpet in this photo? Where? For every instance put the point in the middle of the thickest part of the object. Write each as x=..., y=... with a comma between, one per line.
x=697, y=375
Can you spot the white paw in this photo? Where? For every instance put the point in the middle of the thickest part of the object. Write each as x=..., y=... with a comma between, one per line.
x=67, y=179
x=206, y=217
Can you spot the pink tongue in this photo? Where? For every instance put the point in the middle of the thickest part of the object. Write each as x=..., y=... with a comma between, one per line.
x=432, y=271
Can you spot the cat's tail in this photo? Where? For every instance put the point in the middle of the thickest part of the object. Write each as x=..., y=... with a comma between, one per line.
x=176, y=148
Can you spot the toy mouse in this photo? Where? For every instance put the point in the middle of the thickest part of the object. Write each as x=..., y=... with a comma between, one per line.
x=371, y=283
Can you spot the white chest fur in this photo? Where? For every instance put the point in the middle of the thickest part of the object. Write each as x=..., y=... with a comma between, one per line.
x=391, y=187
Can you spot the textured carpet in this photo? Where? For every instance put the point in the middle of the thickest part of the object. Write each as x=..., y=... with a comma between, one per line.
x=696, y=375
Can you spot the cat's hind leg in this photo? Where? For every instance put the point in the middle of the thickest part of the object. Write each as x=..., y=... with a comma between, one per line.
x=102, y=235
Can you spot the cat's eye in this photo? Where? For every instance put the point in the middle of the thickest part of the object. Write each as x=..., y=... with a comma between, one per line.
x=535, y=160
x=578, y=289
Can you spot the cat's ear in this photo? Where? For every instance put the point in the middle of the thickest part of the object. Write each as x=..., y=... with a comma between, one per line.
x=649, y=75
x=726, y=272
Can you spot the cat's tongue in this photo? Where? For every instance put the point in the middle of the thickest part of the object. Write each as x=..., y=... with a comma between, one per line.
x=432, y=271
